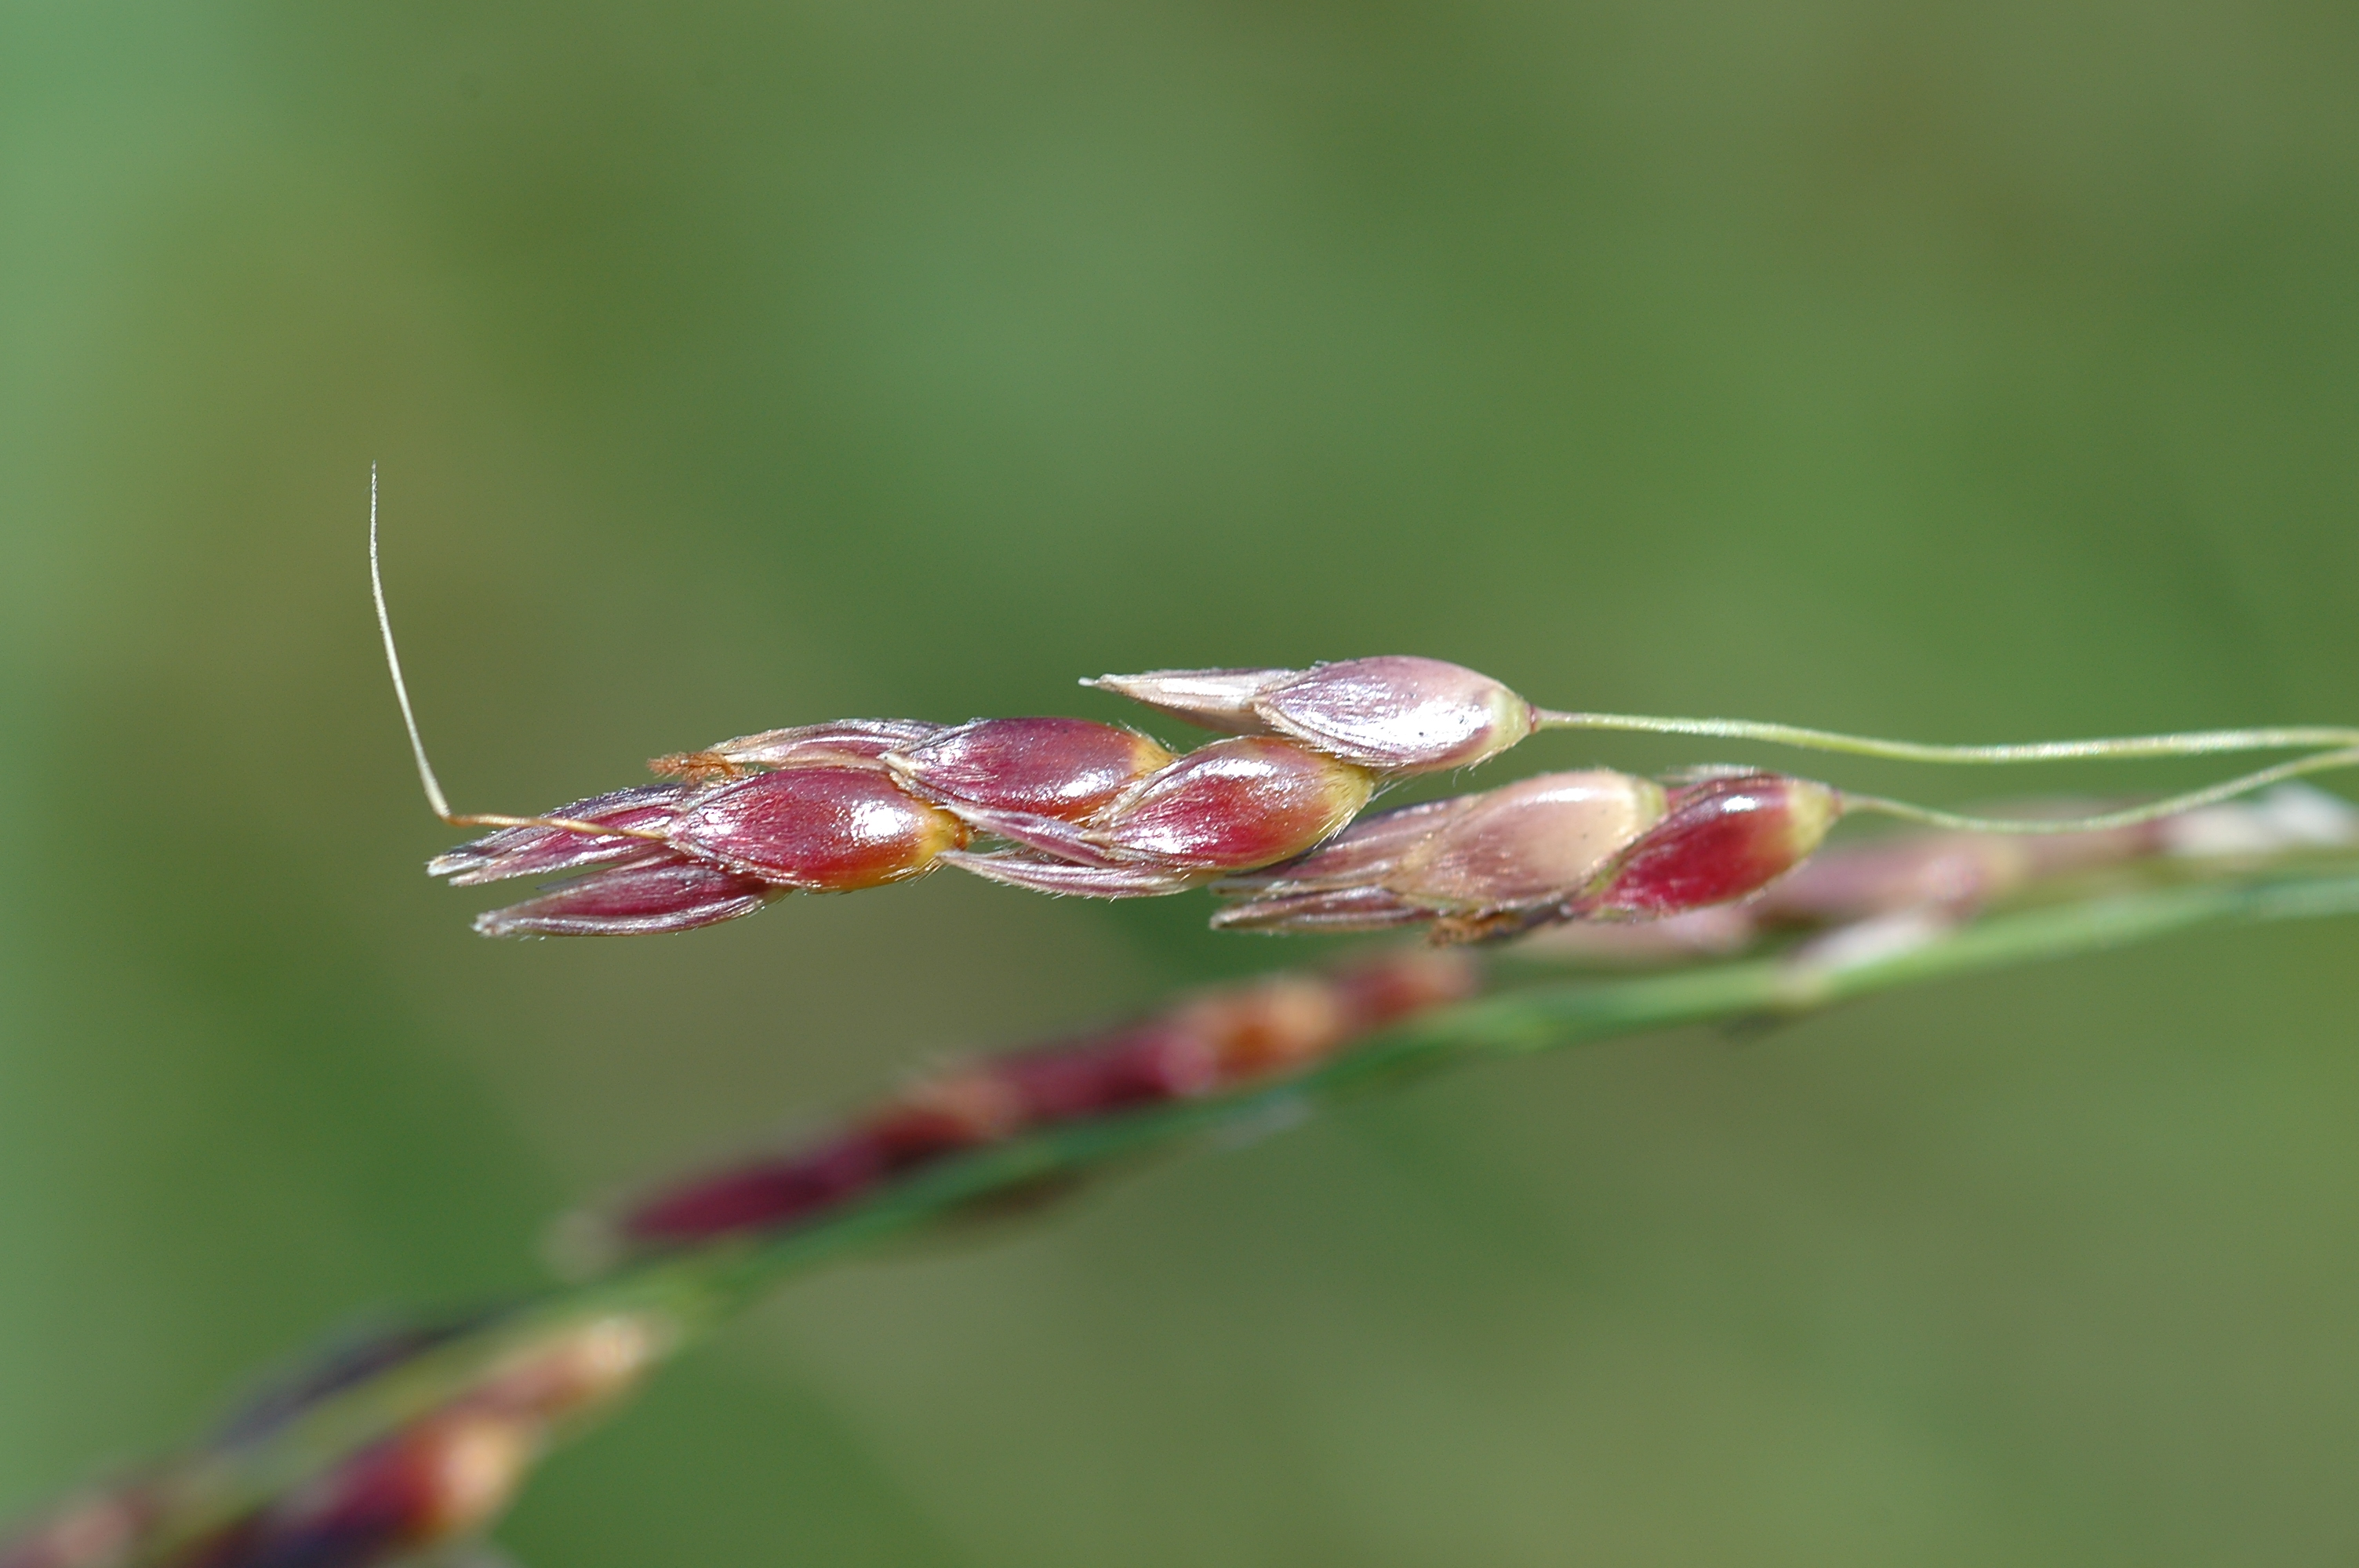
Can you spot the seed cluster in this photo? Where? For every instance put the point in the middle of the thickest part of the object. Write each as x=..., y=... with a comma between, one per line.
x=1069, y=805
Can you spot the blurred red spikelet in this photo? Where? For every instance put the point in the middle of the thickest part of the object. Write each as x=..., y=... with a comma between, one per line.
x=441, y=1477
x=1219, y=1042
x=446, y=1475
x=1955, y=873
x=96, y=1530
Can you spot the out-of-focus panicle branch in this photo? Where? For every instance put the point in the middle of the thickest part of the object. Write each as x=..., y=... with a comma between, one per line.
x=417, y=1437
x=411, y=1442
x=389, y=1449
x=1222, y=1043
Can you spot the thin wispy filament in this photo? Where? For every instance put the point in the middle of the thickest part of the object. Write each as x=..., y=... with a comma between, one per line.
x=435, y=798
x=2129, y=816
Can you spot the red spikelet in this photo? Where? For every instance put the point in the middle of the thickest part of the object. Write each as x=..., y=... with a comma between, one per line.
x=1722, y=839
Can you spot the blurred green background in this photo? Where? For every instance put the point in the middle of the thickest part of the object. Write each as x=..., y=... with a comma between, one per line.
x=1958, y=373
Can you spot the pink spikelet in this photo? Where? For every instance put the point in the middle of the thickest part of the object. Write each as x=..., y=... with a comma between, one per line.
x=1587, y=846
x=719, y=850
x=1231, y=806
x=1474, y=866
x=1393, y=714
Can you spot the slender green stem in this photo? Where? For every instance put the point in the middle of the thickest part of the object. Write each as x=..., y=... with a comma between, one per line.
x=2184, y=743
x=2128, y=816
x=694, y=1291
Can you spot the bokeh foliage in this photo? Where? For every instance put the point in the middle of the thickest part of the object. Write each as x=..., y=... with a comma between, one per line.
x=1964, y=373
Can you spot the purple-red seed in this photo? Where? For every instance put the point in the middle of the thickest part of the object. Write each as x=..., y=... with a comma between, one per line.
x=822, y=828
x=1722, y=839
x=1235, y=805
x=1064, y=768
